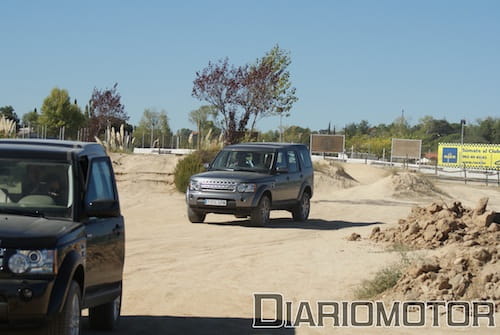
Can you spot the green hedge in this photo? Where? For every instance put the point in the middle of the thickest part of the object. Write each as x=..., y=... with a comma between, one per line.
x=190, y=165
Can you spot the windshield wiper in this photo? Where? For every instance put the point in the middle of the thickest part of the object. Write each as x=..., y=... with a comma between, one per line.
x=245, y=169
x=221, y=169
x=14, y=211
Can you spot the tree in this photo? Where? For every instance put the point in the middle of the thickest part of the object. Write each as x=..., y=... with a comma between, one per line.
x=201, y=119
x=58, y=112
x=31, y=118
x=489, y=129
x=8, y=113
x=249, y=92
x=267, y=87
x=219, y=84
x=153, y=126
x=105, y=109
x=297, y=134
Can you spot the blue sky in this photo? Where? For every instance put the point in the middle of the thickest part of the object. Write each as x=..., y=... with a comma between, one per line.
x=351, y=60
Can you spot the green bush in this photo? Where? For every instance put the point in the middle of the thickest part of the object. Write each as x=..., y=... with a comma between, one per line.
x=191, y=165
x=382, y=281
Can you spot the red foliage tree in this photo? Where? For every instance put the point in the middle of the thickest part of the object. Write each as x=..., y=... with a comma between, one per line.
x=106, y=110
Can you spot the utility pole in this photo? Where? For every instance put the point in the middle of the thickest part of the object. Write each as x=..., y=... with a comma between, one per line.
x=462, y=123
x=152, y=134
x=281, y=127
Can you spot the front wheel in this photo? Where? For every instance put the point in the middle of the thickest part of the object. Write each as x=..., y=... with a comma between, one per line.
x=106, y=316
x=195, y=216
x=301, y=211
x=260, y=214
x=68, y=321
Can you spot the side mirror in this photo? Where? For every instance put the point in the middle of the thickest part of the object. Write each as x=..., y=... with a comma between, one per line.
x=206, y=166
x=103, y=208
x=282, y=169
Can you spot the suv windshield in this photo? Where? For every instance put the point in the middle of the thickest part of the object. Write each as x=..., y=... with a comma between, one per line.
x=33, y=187
x=244, y=160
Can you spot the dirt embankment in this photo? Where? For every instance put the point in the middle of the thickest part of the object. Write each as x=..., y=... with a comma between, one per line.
x=153, y=173
x=467, y=265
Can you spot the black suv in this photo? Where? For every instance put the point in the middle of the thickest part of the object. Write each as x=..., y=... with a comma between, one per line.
x=250, y=180
x=61, y=236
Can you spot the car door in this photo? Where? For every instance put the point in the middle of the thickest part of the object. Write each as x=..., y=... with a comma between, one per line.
x=294, y=175
x=105, y=234
x=281, y=178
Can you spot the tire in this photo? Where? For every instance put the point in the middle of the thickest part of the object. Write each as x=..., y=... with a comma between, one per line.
x=301, y=211
x=106, y=316
x=68, y=321
x=260, y=215
x=195, y=216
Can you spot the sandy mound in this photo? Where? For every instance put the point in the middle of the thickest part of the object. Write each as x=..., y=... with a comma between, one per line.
x=468, y=266
x=154, y=171
x=329, y=175
x=409, y=184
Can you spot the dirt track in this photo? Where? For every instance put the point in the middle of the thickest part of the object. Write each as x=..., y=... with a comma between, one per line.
x=183, y=278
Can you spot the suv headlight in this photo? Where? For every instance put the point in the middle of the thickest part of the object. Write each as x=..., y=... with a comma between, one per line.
x=33, y=262
x=246, y=188
x=194, y=185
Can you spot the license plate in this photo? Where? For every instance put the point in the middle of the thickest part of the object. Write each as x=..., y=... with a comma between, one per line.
x=215, y=202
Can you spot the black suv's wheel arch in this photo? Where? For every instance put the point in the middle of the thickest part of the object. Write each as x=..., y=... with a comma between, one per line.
x=70, y=269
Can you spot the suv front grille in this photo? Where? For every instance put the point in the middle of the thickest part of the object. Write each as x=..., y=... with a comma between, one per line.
x=221, y=185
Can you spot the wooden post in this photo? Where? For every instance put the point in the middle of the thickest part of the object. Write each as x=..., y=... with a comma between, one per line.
x=465, y=174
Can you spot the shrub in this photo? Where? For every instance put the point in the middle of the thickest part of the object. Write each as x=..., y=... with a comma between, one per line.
x=191, y=165
x=383, y=280
x=117, y=141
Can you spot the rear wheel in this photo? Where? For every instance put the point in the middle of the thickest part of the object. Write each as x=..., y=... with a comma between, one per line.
x=301, y=211
x=260, y=214
x=195, y=216
x=68, y=321
x=106, y=316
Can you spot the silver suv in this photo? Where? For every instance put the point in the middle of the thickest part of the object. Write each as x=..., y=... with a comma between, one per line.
x=252, y=179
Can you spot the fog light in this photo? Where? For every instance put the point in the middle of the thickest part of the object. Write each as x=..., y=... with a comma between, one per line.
x=26, y=294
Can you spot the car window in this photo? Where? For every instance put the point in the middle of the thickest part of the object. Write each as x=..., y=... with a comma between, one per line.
x=293, y=165
x=32, y=185
x=305, y=158
x=245, y=160
x=281, y=160
x=100, y=185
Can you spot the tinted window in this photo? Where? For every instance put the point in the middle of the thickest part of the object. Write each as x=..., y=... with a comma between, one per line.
x=281, y=160
x=293, y=165
x=305, y=158
x=243, y=160
x=100, y=186
x=32, y=185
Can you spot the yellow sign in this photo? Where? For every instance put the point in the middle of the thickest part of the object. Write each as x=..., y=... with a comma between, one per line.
x=474, y=156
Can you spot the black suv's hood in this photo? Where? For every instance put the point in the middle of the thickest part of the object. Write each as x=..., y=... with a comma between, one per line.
x=32, y=232
x=240, y=176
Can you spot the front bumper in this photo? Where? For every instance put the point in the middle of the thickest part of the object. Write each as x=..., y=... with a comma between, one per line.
x=16, y=309
x=236, y=202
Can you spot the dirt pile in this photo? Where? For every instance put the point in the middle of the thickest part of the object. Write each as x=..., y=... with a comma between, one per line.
x=468, y=273
x=408, y=184
x=328, y=175
x=440, y=224
x=469, y=264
